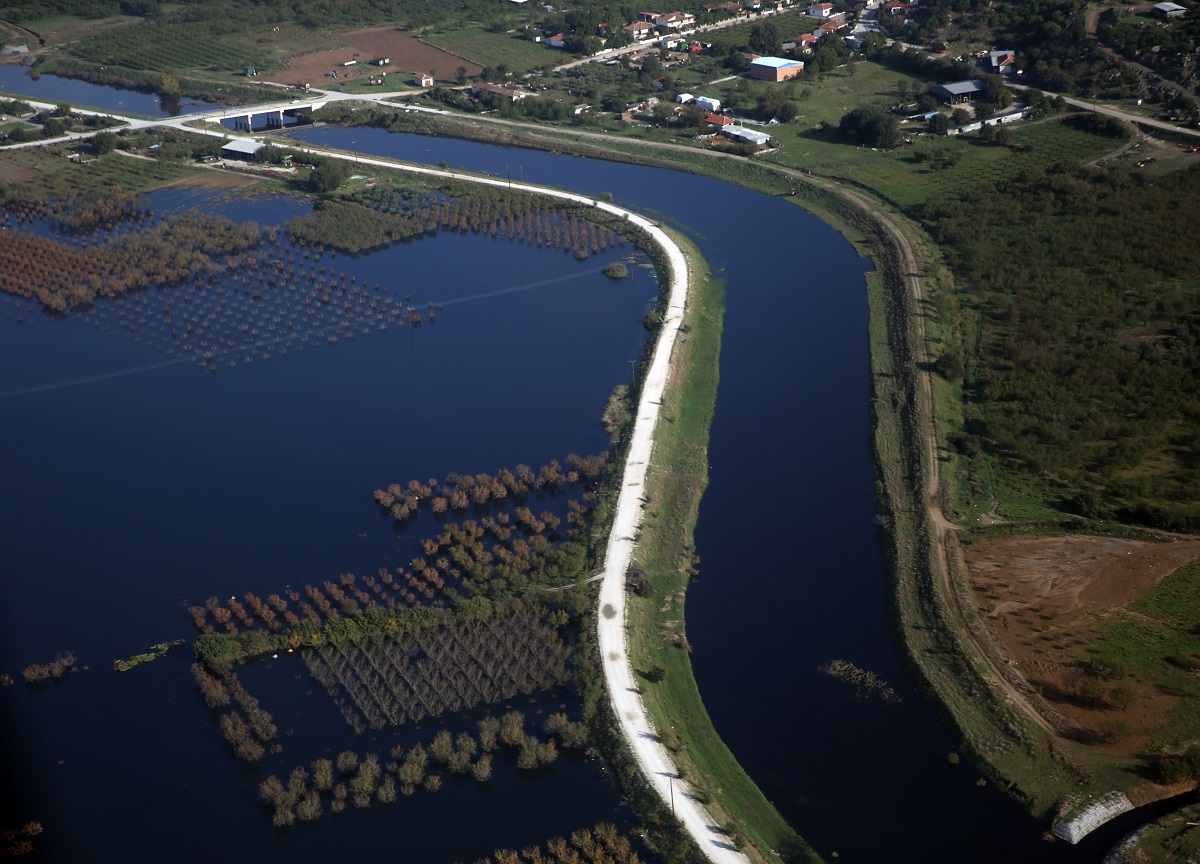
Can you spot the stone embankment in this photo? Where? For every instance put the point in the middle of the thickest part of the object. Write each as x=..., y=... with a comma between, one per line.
x=1092, y=817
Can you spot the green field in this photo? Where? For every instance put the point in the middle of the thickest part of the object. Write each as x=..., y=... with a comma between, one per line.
x=495, y=49
x=811, y=141
x=178, y=47
x=1157, y=645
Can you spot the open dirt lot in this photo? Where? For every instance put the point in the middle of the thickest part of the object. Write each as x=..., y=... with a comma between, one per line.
x=407, y=53
x=14, y=168
x=1047, y=598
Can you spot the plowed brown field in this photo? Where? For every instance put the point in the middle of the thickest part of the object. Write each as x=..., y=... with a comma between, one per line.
x=407, y=53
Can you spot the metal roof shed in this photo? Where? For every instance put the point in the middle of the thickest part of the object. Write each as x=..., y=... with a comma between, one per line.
x=958, y=90
x=241, y=148
x=746, y=136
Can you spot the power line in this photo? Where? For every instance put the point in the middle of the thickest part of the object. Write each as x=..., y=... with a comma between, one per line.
x=267, y=343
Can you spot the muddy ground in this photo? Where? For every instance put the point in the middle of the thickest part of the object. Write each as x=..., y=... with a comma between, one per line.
x=407, y=54
x=1047, y=598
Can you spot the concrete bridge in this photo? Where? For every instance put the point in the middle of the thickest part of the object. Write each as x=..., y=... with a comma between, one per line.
x=274, y=112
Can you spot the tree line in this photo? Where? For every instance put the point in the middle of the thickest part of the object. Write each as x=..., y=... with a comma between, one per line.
x=363, y=781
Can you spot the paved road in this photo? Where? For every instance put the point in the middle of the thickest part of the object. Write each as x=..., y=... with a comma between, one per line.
x=1115, y=112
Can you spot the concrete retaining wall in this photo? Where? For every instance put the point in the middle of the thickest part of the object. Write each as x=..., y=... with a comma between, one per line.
x=1093, y=816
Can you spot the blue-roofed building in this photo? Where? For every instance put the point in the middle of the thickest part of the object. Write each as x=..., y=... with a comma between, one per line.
x=775, y=68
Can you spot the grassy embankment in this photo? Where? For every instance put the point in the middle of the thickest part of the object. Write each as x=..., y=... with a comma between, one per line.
x=675, y=484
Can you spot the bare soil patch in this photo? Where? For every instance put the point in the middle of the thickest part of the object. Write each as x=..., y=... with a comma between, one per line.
x=13, y=171
x=215, y=178
x=1047, y=599
x=407, y=53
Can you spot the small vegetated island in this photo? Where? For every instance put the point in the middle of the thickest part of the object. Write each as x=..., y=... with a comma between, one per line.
x=1044, y=400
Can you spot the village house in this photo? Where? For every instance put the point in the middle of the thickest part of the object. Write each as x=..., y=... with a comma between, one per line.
x=509, y=93
x=555, y=41
x=640, y=30
x=719, y=120
x=775, y=69
x=676, y=20
x=805, y=43
x=735, y=9
x=820, y=10
x=648, y=17
x=827, y=28
x=1002, y=62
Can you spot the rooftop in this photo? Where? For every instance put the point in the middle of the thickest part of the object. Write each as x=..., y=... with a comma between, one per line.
x=961, y=88
x=776, y=63
x=243, y=145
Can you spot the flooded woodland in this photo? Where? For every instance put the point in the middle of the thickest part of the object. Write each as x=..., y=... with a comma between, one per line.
x=340, y=533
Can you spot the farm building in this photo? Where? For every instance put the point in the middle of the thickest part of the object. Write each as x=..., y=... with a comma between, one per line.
x=1169, y=10
x=1002, y=62
x=959, y=91
x=719, y=120
x=709, y=104
x=242, y=149
x=685, y=98
x=509, y=93
x=775, y=69
x=742, y=135
x=423, y=80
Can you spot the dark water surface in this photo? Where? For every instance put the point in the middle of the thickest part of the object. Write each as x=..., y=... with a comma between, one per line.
x=791, y=574
x=53, y=88
x=127, y=498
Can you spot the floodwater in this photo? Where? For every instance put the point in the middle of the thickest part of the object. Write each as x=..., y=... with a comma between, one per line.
x=16, y=80
x=136, y=485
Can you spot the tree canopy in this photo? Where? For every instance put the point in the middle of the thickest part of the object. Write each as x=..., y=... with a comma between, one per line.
x=869, y=126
